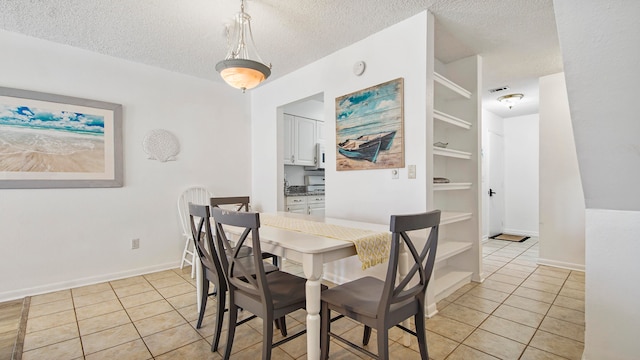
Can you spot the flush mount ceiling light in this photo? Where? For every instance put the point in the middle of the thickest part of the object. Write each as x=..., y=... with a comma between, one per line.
x=510, y=100
x=237, y=69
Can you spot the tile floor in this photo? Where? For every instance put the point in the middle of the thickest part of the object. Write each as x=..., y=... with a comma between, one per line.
x=521, y=311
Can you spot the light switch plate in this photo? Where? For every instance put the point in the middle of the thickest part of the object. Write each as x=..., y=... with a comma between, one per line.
x=412, y=171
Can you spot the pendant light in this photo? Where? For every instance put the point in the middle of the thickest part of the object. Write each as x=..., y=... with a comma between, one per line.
x=238, y=69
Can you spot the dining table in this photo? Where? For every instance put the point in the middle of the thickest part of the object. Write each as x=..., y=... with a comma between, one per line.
x=312, y=251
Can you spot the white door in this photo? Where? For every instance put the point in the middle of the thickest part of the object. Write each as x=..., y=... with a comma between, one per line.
x=495, y=194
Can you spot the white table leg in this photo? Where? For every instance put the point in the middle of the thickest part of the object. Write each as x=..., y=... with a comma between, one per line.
x=403, y=269
x=312, y=266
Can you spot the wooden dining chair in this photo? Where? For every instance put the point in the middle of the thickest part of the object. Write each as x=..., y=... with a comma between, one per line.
x=212, y=271
x=197, y=195
x=269, y=296
x=241, y=203
x=398, y=300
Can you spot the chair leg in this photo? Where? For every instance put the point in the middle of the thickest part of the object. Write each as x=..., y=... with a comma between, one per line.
x=233, y=319
x=366, y=335
x=193, y=263
x=203, y=301
x=282, y=326
x=267, y=336
x=383, y=342
x=221, y=297
x=184, y=253
x=325, y=328
x=421, y=334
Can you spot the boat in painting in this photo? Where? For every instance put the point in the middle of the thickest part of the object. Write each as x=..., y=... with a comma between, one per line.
x=367, y=147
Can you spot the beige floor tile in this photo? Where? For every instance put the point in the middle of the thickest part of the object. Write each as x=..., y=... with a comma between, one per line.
x=98, y=309
x=572, y=293
x=132, y=350
x=133, y=289
x=518, y=315
x=51, y=320
x=476, y=303
x=176, y=290
x=38, y=339
x=498, y=286
x=160, y=274
x=531, y=353
x=574, y=285
x=528, y=304
x=547, y=279
x=245, y=337
x=513, y=273
x=535, y=294
x=495, y=345
x=184, y=300
x=464, y=314
x=50, y=308
x=148, y=310
x=159, y=323
x=69, y=349
x=486, y=293
x=172, y=280
x=449, y=328
x=136, y=280
x=464, y=352
x=109, y=338
x=536, y=285
x=90, y=289
x=140, y=299
x=576, y=276
x=509, y=329
x=296, y=347
x=439, y=347
x=557, y=345
x=521, y=268
x=196, y=350
x=103, y=322
x=574, y=316
x=54, y=296
x=551, y=271
x=570, y=303
x=255, y=352
x=94, y=298
x=563, y=328
x=170, y=339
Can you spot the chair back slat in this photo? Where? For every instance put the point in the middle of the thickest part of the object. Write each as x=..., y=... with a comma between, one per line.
x=200, y=223
x=421, y=261
x=194, y=195
x=241, y=202
x=243, y=272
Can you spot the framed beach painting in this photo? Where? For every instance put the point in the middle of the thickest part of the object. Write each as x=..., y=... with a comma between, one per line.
x=56, y=141
x=369, y=128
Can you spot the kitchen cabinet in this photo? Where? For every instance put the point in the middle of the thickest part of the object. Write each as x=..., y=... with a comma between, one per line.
x=305, y=204
x=315, y=205
x=300, y=137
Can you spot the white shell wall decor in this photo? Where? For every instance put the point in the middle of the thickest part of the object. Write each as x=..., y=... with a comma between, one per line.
x=161, y=145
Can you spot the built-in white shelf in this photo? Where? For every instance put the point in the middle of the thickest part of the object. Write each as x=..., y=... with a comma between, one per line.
x=448, y=279
x=447, y=249
x=450, y=217
x=450, y=85
x=451, y=153
x=450, y=119
x=451, y=186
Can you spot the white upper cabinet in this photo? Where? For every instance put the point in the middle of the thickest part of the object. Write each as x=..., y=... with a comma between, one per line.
x=300, y=139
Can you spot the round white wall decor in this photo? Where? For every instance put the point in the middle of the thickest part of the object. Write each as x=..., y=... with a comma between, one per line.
x=161, y=145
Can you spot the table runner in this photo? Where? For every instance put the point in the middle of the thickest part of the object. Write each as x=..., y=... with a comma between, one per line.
x=372, y=247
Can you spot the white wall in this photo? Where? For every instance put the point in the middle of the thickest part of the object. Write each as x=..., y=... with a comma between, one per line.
x=367, y=195
x=521, y=149
x=561, y=198
x=58, y=238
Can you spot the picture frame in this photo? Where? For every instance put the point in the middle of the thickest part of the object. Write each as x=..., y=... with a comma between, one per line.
x=370, y=128
x=58, y=141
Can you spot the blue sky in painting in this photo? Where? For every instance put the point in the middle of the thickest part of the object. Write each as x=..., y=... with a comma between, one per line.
x=31, y=117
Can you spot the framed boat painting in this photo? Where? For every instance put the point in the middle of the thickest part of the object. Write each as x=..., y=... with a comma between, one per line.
x=369, y=128
x=56, y=141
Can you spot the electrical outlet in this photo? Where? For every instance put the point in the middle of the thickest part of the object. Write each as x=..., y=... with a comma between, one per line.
x=135, y=244
x=395, y=174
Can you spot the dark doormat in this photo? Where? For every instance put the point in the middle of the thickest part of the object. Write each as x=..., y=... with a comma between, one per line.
x=509, y=237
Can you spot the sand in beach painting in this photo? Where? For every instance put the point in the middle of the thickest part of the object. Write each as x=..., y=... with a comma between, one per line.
x=369, y=128
x=39, y=139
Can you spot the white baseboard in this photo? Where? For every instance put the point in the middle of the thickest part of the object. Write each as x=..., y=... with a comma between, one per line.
x=68, y=284
x=521, y=232
x=485, y=238
x=561, y=264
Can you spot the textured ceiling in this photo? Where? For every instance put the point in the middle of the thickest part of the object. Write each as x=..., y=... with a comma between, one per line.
x=517, y=38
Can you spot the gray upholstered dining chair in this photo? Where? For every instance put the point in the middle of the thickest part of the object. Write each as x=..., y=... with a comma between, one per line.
x=383, y=304
x=268, y=296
